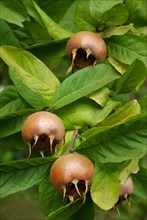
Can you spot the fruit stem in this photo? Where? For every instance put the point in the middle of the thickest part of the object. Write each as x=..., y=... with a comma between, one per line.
x=71, y=146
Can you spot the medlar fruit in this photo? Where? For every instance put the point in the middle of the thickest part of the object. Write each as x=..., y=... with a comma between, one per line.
x=86, y=48
x=125, y=190
x=72, y=175
x=43, y=131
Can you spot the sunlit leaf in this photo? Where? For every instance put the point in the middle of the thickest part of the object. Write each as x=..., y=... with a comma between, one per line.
x=100, y=96
x=133, y=78
x=127, y=168
x=116, y=143
x=105, y=185
x=127, y=48
x=11, y=103
x=82, y=83
x=13, y=12
x=33, y=80
x=121, y=16
x=54, y=30
x=85, y=112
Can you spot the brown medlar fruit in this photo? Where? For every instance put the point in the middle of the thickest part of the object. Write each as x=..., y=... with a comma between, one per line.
x=125, y=190
x=72, y=175
x=86, y=48
x=43, y=131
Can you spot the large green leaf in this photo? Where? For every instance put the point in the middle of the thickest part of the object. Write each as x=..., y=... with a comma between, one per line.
x=33, y=80
x=11, y=125
x=123, y=113
x=105, y=185
x=140, y=183
x=13, y=12
x=14, y=141
x=54, y=30
x=49, y=199
x=76, y=19
x=84, y=112
x=53, y=54
x=133, y=78
x=137, y=12
x=127, y=168
x=81, y=20
x=97, y=8
x=121, y=16
x=127, y=48
x=52, y=202
x=66, y=211
x=7, y=36
x=22, y=174
x=82, y=83
x=11, y=103
x=86, y=211
x=116, y=143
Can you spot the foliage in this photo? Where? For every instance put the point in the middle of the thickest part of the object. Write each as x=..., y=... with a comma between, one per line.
x=98, y=101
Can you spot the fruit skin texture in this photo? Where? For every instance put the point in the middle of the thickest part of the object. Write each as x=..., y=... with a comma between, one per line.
x=92, y=43
x=43, y=129
x=72, y=175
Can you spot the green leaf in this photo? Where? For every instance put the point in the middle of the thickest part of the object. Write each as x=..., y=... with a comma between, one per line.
x=11, y=125
x=143, y=103
x=120, y=30
x=97, y=8
x=68, y=20
x=133, y=78
x=116, y=143
x=123, y=113
x=13, y=12
x=82, y=83
x=121, y=16
x=13, y=141
x=101, y=96
x=81, y=20
x=127, y=48
x=87, y=210
x=49, y=199
x=140, y=183
x=53, y=205
x=53, y=54
x=127, y=168
x=66, y=211
x=137, y=12
x=11, y=103
x=54, y=30
x=33, y=80
x=84, y=112
x=120, y=67
x=22, y=174
x=105, y=185
x=7, y=36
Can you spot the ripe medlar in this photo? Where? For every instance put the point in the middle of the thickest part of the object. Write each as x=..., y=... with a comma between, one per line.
x=72, y=175
x=125, y=190
x=86, y=48
x=43, y=131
